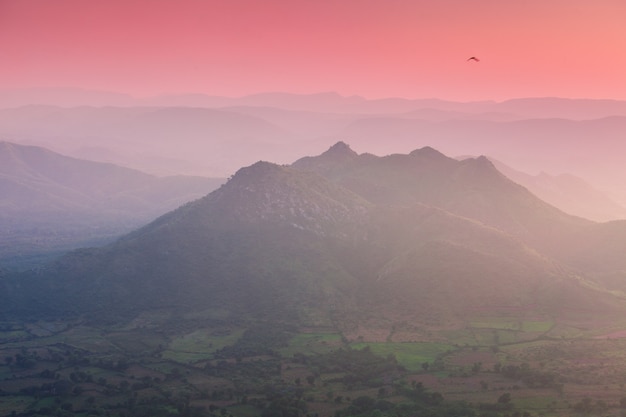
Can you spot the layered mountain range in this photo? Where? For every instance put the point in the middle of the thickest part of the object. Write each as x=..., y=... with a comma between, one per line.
x=50, y=202
x=568, y=192
x=214, y=136
x=344, y=239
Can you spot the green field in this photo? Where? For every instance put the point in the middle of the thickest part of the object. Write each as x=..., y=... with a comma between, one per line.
x=14, y=335
x=510, y=324
x=200, y=345
x=14, y=403
x=306, y=343
x=496, y=323
x=537, y=326
x=245, y=370
x=409, y=355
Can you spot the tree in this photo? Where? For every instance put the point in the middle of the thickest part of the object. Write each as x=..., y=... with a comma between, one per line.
x=504, y=398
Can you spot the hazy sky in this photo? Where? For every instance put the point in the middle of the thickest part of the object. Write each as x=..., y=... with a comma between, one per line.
x=374, y=48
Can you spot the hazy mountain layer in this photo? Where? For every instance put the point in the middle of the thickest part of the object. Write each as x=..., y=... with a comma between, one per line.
x=214, y=136
x=50, y=202
x=522, y=108
x=337, y=238
x=568, y=192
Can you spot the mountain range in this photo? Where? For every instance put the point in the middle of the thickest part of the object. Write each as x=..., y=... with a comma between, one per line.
x=568, y=192
x=346, y=240
x=50, y=202
x=214, y=136
x=327, y=102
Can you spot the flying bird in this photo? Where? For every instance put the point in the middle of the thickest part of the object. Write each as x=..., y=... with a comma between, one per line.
x=473, y=58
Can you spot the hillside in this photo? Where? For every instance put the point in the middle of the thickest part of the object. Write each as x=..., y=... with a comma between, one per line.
x=260, y=242
x=418, y=237
x=471, y=188
x=568, y=192
x=51, y=202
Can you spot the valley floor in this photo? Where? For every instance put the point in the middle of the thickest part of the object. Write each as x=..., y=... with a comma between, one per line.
x=204, y=365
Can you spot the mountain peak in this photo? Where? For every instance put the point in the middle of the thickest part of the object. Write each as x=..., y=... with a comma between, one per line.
x=340, y=150
x=273, y=194
x=255, y=174
x=257, y=169
x=428, y=153
x=483, y=163
x=337, y=156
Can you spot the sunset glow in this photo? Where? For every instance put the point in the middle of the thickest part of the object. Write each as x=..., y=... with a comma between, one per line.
x=415, y=49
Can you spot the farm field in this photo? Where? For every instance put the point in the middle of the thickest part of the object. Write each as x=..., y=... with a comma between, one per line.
x=243, y=370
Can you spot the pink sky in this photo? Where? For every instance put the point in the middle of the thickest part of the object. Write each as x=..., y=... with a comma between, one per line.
x=373, y=48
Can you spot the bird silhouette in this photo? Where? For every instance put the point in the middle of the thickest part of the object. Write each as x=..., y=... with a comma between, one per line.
x=473, y=58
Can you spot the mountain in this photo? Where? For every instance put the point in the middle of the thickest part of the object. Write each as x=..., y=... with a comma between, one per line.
x=214, y=136
x=257, y=243
x=341, y=239
x=161, y=140
x=591, y=149
x=66, y=97
x=599, y=251
x=50, y=202
x=474, y=188
x=326, y=102
x=568, y=192
x=522, y=108
x=564, y=108
x=471, y=188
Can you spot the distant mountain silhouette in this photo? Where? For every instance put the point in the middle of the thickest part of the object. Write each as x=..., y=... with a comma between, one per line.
x=150, y=138
x=568, y=192
x=50, y=202
x=66, y=97
x=337, y=240
x=327, y=102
